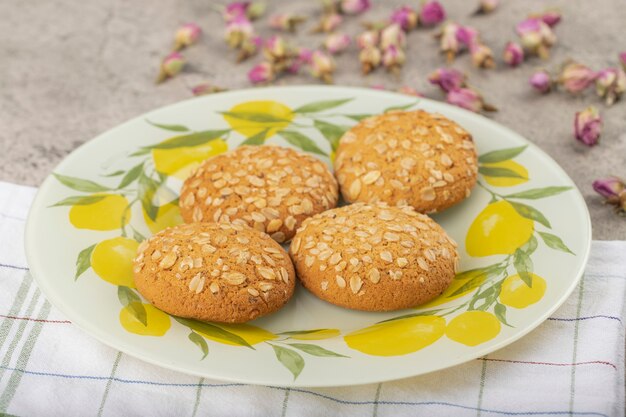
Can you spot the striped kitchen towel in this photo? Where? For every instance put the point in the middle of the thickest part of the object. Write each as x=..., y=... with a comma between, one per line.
x=572, y=365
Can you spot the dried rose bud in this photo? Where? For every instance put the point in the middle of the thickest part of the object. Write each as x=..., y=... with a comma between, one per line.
x=622, y=59
x=261, y=73
x=536, y=36
x=447, y=79
x=328, y=23
x=610, y=84
x=468, y=99
x=304, y=57
x=187, y=35
x=249, y=47
x=588, y=126
x=275, y=49
x=406, y=17
x=238, y=30
x=551, y=17
x=486, y=6
x=482, y=56
x=370, y=58
x=576, y=77
x=285, y=21
x=610, y=187
x=467, y=36
x=235, y=10
x=392, y=35
x=393, y=58
x=432, y=13
x=337, y=42
x=354, y=6
x=170, y=66
x=368, y=38
x=513, y=54
x=255, y=10
x=205, y=89
x=541, y=81
x=409, y=91
x=448, y=42
x=322, y=66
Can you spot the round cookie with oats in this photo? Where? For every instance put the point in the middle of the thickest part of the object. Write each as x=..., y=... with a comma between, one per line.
x=270, y=188
x=417, y=158
x=220, y=272
x=374, y=257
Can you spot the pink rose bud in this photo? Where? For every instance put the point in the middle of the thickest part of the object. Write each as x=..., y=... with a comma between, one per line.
x=275, y=49
x=447, y=79
x=409, y=91
x=255, y=10
x=187, y=35
x=393, y=58
x=406, y=17
x=328, y=23
x=322, y=66
x=622, y=59
x=482, y=56
x=170, y=66
x=468, y=99
x=205, y=89
x=576, y=77
x=235, y=10
x=304, y=57
x=610, y=187
x=392, y=35
x=261, y=73
x=588, y=126
x=486, y=6
x=551, y=17
x=611, y=84
x=285, y=21
x=513, y=54
x=237, y=30
x=367, y=39
x=448, y=42
x=370, y=58
x=467, y=36
x=249, y=46
x=337, y=42
x=432, y=13
x=354, y=6
x=541, y=81
x=536, y=36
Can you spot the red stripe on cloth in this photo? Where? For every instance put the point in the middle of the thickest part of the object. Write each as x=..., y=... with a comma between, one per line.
x=37, y=320
x=551, y=363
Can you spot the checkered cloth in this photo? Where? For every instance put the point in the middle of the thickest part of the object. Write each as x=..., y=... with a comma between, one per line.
x=573, y=364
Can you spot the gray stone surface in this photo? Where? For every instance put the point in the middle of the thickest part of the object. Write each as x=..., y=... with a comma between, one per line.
x=73, y=69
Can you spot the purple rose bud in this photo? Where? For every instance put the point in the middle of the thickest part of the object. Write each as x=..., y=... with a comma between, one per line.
x=406, y=17
x=249, y=46
x=448, y=79
x=536, y=36
x=551, y=17
x=392, y=35
x=513, y=54
x=205, y=89
x=576, y=77
x=235, y=10
x=354, y=6
x=468, y=99
x=611, y=84
x=541, y=81
x=448, y=41
x=170, y=66
x=322, y=66
x=482, y=56
x=328, y=23
x=187, y=35
x=487, y=6
x=261, y=73
x=467, y=36
x=588, y=126
x=409, y=91
x=367, y=39
x=393, y=58
x=275, y=49
x=337, y=42
x=238, y=30
x=432, y=13
x=610, y=187
x=304, y=57
x=285, y=21
x=370, y=58
x=622, y=59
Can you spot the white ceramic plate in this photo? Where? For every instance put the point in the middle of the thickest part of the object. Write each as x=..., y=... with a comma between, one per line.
x=525, y=223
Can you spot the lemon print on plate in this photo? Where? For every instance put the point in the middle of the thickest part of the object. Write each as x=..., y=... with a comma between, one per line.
x=251, y=334
x=157, y=322
x=515, y=293
x=314, y=334
x=104, y=214
x=452, y=292
x=498, y=229
x=180, y=161
x=473, y=328
x=507, y=181
x=168, y=213
x=253, y=117
x=397, y=337
x=112, y=260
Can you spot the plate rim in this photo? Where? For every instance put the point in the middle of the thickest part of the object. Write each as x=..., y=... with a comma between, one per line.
x=38, y=271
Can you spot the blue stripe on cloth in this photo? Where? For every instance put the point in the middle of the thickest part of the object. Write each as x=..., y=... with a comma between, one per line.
x=597, y=316
x=23, y=268
x=328, y=397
